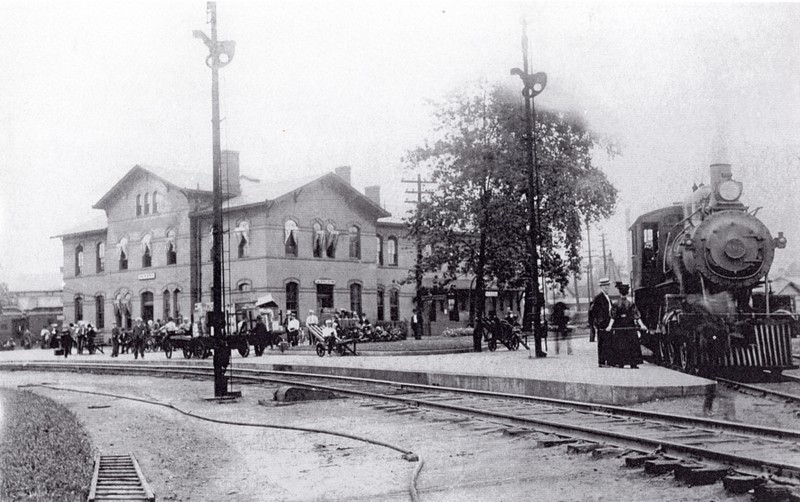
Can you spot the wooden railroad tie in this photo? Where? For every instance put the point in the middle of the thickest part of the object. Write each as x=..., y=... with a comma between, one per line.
x=118, y=477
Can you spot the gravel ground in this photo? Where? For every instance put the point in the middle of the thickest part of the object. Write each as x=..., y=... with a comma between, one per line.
x=185, y=458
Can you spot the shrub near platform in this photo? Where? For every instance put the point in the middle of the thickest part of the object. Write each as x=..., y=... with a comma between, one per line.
x=45, y=453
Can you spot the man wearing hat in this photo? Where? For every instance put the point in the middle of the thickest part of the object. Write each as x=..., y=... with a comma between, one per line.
x=139, y=338
x=311, y=320
x=599, y=318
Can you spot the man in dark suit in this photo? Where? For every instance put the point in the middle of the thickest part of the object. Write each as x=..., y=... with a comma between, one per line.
x=139, y=338
x=600, y=316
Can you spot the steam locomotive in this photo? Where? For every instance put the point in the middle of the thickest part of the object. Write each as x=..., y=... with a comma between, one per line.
x=694, y=270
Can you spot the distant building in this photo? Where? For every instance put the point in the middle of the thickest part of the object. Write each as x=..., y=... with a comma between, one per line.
x=30, y=310
x=312, y=243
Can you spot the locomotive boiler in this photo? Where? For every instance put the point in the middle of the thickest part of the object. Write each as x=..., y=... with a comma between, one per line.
x=695, y=268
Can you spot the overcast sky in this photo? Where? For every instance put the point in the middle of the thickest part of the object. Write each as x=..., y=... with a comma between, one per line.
x=90, y=89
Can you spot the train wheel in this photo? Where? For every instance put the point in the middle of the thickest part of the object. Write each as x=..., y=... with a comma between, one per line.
x=187, y=353
x=320, y=350
x=514, y=344
x=198, y=351
x=492, y=344
x=168, y=350
x=244, y=351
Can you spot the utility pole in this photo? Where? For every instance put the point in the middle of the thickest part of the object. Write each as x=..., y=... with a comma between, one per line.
x=533, y=85
x=605, y=263
x=590, y=278
x=418, y=267
x=220, y=55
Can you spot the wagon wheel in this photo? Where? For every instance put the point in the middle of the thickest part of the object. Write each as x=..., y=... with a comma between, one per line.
x=245, y=350
x=168, y=350
x=259, y=350
x=206, y=353
x=197, y=350
x=514, y=343
x=341, y=350
x=187, y=353
x=492, y=344
x=320, y=350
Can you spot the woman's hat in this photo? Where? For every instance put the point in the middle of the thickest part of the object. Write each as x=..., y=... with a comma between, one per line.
x=623, y=288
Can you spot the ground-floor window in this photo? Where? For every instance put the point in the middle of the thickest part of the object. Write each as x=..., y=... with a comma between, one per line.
x=78, y=308
x=147, y=306
x=324, y=296
x=292, y=297
x=100, y=312
x=167, y=306
x=355, y=298
x=380, y=305
x=394, y=305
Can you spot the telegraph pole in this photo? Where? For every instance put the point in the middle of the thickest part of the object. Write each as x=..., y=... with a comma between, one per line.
x=533, y=85
x=418, y=268
x=589, y=267
x=605, y=262
x=220, y=55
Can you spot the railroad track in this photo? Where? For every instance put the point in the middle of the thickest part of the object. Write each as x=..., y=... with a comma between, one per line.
x=788, y=397
x=748, y=448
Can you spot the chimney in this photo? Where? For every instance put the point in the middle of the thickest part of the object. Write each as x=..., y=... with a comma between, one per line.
x=373, y=193
x=344, y=173
x=230, y=173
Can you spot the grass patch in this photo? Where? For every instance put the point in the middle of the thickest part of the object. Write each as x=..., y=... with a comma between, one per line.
x=45, y=453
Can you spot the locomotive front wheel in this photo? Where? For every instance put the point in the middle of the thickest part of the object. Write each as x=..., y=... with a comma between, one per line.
x=168, y=350
x=187, y=353
x=320, y=350
x=514, y=344
x=492, y=344
x=244, y=351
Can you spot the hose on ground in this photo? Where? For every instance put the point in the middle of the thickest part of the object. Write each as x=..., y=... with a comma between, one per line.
x=407, y=455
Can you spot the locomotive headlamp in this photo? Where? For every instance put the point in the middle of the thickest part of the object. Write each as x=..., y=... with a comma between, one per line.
x=729, y=190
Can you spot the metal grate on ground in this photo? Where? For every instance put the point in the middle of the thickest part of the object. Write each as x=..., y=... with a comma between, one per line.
x=119, y=478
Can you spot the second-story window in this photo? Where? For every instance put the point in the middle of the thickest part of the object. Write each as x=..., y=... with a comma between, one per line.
x=139, y=205
x=146, y=203
x=379, y=248
x=391, y=250
x=172, y=250
x=290, y=238
x=242, y=232
x=331, y=239
x=122, y=253
x=78, y=259
x=355, y=242
x=147, y=252
x=155, y=202
x=101, y=257
x=317, y=239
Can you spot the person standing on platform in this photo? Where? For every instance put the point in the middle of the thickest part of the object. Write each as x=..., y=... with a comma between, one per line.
x=66, y=340
x=600, y=316
x=625, y=348
x=115, y=336
x=560, y=321
x=311, y=320
x=139, y=338
x=416, y=325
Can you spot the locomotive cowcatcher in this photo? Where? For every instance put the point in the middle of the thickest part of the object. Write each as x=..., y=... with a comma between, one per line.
x=694, y=268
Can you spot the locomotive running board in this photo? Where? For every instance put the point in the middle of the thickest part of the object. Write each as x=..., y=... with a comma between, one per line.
x=118, y=477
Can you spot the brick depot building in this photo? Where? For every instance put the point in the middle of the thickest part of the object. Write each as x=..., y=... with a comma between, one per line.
x=311, y=243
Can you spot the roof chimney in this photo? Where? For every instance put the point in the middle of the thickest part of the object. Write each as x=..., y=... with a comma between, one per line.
x=344, y=173
x=373, y=193
x=230, y=173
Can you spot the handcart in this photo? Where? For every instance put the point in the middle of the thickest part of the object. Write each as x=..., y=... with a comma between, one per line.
x=499, y=330
x=332, y=342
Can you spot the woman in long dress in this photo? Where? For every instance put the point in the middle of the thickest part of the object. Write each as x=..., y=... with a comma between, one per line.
x=626, y=321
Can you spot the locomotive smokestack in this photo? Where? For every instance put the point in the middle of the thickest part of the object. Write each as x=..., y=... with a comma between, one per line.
x=720, y=173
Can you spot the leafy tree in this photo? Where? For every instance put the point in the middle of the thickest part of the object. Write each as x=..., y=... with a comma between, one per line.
x=476, y=219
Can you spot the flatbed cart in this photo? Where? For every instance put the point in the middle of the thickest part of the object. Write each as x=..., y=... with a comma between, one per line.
x=498, y=330
x=197, y=347
x=334, y=343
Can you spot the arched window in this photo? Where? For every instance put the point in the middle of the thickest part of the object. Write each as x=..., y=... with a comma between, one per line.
x=101, y=257
x=355, y=242
x=172, y=251
x=122, y=253
x=78, y=308
x=245, y=286
x=292, y=297
x=167, y=306
x=379, y=247
x=147, y=251
x=79, y=259
x=380, y=299
x=242, y=232
x=331, y=239
x=155, y=202
x=100, y=312
x=391, y=250
x=146, y=203
x=355, y=298
x=317, y=239
x=138, y=204
x=394, y=305
x=176, y=304
x=290, y=238
x=147, y=306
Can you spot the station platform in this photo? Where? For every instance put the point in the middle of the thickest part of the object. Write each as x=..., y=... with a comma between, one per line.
x=573, y=376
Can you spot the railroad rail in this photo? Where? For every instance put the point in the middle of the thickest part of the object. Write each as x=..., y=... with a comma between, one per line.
x=753, y=449
x=118, y=477
x=784, y=396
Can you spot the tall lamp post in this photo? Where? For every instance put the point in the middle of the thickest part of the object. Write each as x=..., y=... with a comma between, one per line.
x=220, y=55
x=533, y=85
